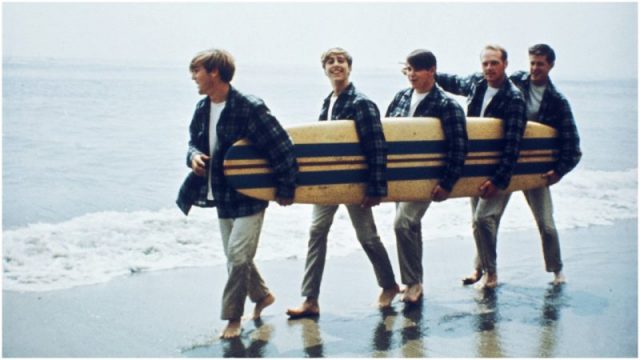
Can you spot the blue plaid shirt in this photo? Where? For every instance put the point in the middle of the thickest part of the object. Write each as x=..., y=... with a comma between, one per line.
x=438, y=104
x=353, y=105
x=244, y=116
x=555, y=112
x=508, y=104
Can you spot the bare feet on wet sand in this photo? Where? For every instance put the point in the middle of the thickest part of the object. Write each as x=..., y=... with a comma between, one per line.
x=473, y=278
x=412, y=294
x=490, y=280
x=309, y=308
x=262, y=304
x=558, y=278
x=232, y=330
x=387, y=295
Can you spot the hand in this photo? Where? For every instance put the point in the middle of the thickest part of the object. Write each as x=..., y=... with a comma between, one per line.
x=284, y=201
x=370, y=201
x=199, y=164
x=488, y=190
x=439, y=194
x=552, y=177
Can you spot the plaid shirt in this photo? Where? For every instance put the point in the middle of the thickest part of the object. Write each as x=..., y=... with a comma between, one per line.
x=555, y=112
x=438, y=104
x=353, y=105
x=508, y=104
x=243, y=116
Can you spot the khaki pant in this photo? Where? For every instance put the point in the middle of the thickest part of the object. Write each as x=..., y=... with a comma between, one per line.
x=366, y=232
x=486, y=214
x=240, y=240
x=541, y=206
x=408, y=228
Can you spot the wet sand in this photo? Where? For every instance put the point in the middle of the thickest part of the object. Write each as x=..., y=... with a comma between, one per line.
x=176, y=313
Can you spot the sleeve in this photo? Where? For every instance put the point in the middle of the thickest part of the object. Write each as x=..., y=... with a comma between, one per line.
x=195, y=132
x=455, y=84
x=269, y=137
x=514, y=124
x=374, y=146
x=570, y=153
x=455, y=128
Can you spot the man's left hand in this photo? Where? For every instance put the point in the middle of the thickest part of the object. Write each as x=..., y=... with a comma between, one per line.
x=552, y=177
x=439, y=194
x=370, y=201
x=284, y=201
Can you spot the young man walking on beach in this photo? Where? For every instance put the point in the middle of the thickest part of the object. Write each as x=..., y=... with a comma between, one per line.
x=345, y=102
x=224, y=116
x=491, y=94
x=548, y=106
x=425, y=98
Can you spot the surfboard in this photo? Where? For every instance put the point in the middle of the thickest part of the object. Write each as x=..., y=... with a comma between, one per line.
x=333, y=170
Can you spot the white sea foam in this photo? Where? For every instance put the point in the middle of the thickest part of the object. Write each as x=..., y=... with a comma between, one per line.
x=97, y=247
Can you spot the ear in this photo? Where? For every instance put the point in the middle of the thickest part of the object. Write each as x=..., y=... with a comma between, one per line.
x=506, y=63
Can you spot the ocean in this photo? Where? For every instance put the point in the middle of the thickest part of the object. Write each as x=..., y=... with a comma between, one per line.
x=94, y=154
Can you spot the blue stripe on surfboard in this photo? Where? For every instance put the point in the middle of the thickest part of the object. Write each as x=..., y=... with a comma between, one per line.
x=393, y=174
x=248, y=152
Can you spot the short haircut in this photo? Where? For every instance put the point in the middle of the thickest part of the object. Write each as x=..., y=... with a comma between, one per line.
x=421, y=59
x=495, y=47
x=543, y=50
x=335, y=51
x=215, y=59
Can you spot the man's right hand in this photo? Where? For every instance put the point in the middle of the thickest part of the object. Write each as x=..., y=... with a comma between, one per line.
x=199, y=164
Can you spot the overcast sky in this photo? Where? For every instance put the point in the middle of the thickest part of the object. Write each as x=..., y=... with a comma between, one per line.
x=592, y=40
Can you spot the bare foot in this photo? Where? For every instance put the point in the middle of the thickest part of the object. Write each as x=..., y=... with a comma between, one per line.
x=387, y=295
x=558, y=278
x=232, y=330
x=473, y=278
x=413, y=294
x=309, y=308
x=262, y=304
x=491, y=280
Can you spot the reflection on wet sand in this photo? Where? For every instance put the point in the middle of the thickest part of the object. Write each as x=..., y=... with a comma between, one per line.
x=383, y=332
x=486, y=324
x=259, y=339
x=553, y=301
x=311, y=338
x=412, y=331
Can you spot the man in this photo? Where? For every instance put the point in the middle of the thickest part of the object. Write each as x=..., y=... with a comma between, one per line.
x=546, y=105
x=345, y=102
x=220, y=119
x=491, y=94
x=425, y=98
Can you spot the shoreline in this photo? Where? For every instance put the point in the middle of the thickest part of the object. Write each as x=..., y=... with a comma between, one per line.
x=175, y=313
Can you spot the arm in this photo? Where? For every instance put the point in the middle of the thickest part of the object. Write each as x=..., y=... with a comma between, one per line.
x=268, y=136
x=456, y=84
x=455, y=131
x=570, y=152
x=513, y=124
x=196, y=159
x=374, y=146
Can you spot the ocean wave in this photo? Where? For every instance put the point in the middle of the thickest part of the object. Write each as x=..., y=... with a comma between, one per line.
x=98, y=247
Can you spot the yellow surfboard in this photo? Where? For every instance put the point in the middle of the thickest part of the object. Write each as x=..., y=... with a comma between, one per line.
x=332, y=168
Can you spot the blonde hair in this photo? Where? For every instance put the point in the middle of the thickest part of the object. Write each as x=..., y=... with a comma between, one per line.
x=335, y=51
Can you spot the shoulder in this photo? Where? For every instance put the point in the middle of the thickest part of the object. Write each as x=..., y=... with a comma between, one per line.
x=202, y=103
x=245, y=100
x=445, y=100
x=519, y=77
x=513, y=91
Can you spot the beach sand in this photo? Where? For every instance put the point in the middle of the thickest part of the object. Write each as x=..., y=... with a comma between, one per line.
x=176, y=313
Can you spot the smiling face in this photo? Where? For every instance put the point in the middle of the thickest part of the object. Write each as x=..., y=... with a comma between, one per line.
x=539, y=68
x=421, y=80
x=337, y=68
x=493, y=67
x=203, y=79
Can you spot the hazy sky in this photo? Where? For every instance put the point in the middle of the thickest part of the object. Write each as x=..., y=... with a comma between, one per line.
x=592, y=40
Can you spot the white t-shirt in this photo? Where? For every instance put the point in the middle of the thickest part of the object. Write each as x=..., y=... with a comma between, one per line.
x=332, y=101
x=534, y=100
x=415, y=100
x=488, y=95
x=214, y=116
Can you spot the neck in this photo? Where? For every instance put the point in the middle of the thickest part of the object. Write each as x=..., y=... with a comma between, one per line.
x=219, y=93
x=540, y=82
x=497, y=83
x=425, y=89
x=339, y=86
